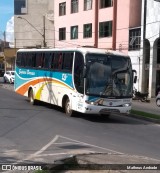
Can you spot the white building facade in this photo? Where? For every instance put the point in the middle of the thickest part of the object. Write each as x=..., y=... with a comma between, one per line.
x=150, y=52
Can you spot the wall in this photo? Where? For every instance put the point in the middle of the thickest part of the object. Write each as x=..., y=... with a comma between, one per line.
x=135, y=13
x=123, y=25
x=25, y=34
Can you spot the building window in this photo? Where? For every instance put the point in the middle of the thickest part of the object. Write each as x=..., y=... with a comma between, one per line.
x=87, y=30
x=74, y=6
x=135, y=39
x=62, y=9
x=62, y=33
x=74, y=32
x=106, y=3
x=19, y=7
x=87, y=5
x=105, y=29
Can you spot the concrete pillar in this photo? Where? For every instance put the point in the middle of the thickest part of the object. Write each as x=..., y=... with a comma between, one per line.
x=152, y=72
x=142, y=68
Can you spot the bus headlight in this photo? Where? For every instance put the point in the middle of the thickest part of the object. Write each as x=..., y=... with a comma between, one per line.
x=126, y=104
x=91, y=103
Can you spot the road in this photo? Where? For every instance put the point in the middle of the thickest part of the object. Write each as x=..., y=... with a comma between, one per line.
x=43, y=133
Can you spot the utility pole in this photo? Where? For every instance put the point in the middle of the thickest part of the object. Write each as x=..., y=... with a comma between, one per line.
x=4, y=42
x=44, y=31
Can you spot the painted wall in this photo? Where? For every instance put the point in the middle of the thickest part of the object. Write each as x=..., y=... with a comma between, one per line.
x=68, y=20
x=135, y=13
x=122, y=25
x=81, y=18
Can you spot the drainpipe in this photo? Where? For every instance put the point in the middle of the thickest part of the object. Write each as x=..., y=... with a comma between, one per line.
x=96, y=24
x=114, y=28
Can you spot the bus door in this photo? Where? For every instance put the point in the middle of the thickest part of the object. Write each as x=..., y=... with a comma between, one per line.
x=78, y=81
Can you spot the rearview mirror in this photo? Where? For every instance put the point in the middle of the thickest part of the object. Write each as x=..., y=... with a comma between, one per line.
x=135, y=79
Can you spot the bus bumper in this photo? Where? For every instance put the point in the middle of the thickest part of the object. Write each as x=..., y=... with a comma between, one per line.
x=92, y=109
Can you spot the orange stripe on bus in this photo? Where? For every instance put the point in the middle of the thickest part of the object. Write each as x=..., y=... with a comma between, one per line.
x=24, y=88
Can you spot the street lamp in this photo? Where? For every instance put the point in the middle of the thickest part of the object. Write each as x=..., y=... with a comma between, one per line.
x=43, y=35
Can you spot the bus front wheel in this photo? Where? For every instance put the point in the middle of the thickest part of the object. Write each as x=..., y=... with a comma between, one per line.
x=68, y=110
x=31, y=97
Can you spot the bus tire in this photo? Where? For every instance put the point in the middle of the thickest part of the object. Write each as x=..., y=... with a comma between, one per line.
x=4, y=80
x=10, y=81
x=67, y=107
x=31, y=97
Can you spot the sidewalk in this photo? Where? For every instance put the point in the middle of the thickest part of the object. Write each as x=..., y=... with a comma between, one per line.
x=104, y=163
x=150, y=107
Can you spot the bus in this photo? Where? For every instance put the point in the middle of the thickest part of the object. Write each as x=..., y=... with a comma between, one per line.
x=85, y=80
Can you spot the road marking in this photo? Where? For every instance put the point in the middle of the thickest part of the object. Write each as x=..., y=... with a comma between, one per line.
x=43, y=148
x=73, y=152
x=91, y=145
x=61, y=143
x=53, y=141
x=52, y=154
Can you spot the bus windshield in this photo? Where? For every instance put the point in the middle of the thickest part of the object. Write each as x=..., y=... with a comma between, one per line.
x=108, y=76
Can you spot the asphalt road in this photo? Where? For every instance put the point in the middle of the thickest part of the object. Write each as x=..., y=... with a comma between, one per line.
x=43, y=133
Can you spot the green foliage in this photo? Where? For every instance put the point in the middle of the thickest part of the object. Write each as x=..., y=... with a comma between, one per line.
x=145, y=114
x=43, y=171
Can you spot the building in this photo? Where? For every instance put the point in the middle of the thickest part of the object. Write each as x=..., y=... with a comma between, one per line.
x=150, y=54
x=109, y=24
x=33, y=23
x=3, y=45
x=130, y=26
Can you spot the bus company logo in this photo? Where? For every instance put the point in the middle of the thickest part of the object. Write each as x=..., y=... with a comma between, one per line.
x=64, y=77
x=26, y=72
x=110, y=103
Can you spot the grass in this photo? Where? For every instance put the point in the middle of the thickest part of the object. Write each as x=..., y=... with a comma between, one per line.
x=42, y=171
x=145, y=114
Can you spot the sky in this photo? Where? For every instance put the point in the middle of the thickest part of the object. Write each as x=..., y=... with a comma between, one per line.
x=7, y=19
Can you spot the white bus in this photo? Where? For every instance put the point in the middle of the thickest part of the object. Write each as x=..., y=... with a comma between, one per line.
x=86, y=80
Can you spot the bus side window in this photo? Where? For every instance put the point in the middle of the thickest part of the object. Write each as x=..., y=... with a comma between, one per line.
x=28, y=59
x=60, y=61
x=57, y=61
x=23, y=60
x=67, y=61
x=52, y=61
x=42, y=60
x=47, y=60
x=33, y=60
x=38, y=60
x=18, y=60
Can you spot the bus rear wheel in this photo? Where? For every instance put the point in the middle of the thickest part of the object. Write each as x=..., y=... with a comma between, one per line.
x=68, y=110
x=31, y=97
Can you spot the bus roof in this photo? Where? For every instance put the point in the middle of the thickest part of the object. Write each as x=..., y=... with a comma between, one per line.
x=84, y=50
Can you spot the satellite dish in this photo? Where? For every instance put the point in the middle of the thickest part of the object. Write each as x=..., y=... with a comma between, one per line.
x=50, y=15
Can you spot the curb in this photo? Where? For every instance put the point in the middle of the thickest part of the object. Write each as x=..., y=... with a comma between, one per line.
x=144, y=118
x=99, y=162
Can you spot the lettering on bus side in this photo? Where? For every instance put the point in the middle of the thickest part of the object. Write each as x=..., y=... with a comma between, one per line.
x=64, y=77
x=27, y=72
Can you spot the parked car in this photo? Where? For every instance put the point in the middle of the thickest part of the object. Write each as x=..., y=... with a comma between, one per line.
x=158, y=99
x=8, y=77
